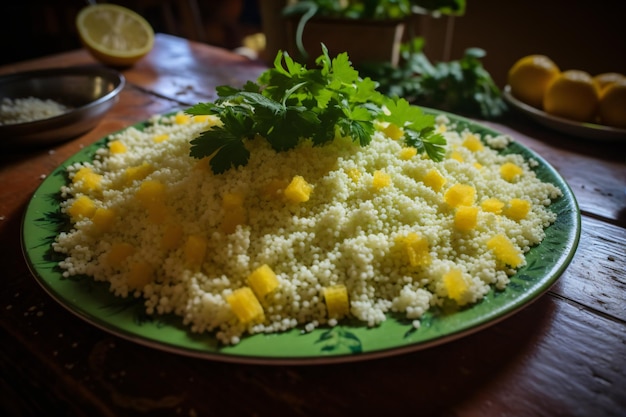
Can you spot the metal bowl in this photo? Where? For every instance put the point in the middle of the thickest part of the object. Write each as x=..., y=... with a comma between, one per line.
x=88, y=91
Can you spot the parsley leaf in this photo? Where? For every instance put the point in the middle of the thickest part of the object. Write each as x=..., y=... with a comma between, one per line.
x=290, y=102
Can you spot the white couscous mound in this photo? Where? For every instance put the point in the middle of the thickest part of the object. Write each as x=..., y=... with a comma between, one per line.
x=302, y=238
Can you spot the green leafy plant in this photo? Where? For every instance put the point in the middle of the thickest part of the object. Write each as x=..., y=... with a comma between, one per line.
x=290, y=103
x=463, y=85
x=366, y=10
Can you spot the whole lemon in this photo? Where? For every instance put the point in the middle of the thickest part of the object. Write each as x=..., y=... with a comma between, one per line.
x=530, y=76
x=606, y=78
x=572, y=95
x=612, y=105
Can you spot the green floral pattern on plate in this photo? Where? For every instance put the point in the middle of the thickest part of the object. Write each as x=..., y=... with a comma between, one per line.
x=348, y=341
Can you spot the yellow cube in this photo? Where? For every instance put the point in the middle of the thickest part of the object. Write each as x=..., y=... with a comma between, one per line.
x=460, y=195
x=245, y=305
x=82, y=207
x=354, y=174
x=505, y=251
x=87, y=180
x=416, y=248
x=158, y=213
x=160, y=138
x=150, y=192
x=274, y=188
x=137, y=173
x=380, y=180
x=472, y=143
x=434, y=180
x=234, y=212
x=407, y=153
x=509, y=171
x=140, y=274
x=182, y=118
x=455, y=284
x=298, y=190
x=392, y=131
x=456, y=155
x=517, y=209
x=263, y=281
x=172, y=237
x=492, y=205
x=103, y=220
x=118, y=253
x=466, y=218
x=116, y=147
x=337, y=303
x=195, y=250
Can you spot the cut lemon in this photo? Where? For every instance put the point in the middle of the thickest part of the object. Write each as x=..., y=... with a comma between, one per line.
x=113, y=34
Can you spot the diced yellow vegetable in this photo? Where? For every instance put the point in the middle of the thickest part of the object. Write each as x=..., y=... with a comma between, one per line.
x=509, y=171
x=88, y=180
x=140, y=274
x=161, y=138
x=337, y=304
x=478, y=165
x=116, y=147
x=455, y=285
x=298, y=190
x=118, y=253
x=263, y=281
x=456, y=155
x=158, y=213
x=200, y=118
x=83, y=206
x=466, y=218
x=274, y=188
x=517, y=209
x=234, y=212
x=195, y=250
x=392, y=131
x=354, y=174
x=150, y=192
x=460, y=195
x=245, y=305
x=505, y=251
x=416, y=249
x=103, y=220
x=492, y=205
x=172, y=237
x=441, y=128
x=407, y=153
x=138, y=172
x=434, y=180
x=182, y=119
x=472, y=143
x=380, y=180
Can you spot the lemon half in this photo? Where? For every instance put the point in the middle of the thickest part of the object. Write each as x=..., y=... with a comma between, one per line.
x=113, y=34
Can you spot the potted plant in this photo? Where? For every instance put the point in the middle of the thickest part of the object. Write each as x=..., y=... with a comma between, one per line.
x=369, y=30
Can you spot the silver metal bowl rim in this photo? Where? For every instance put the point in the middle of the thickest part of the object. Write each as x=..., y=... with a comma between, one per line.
x=109, y=73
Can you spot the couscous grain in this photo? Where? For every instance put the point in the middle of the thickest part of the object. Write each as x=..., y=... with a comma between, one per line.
x=369, y=228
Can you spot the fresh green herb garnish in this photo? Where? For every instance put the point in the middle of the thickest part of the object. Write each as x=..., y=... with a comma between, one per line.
x=290, y=103
x=462, y=86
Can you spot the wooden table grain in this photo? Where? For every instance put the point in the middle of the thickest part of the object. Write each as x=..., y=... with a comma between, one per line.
x=563, y=355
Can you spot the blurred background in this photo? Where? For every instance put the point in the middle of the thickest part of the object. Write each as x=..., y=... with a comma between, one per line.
x=576, y=34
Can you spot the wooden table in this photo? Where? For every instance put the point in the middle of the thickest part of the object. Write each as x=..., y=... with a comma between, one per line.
x=564, y=355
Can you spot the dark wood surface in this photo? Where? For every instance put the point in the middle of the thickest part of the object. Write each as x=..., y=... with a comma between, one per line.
x=564, y=355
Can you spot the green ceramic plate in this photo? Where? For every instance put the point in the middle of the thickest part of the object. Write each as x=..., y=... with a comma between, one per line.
x=92, y=301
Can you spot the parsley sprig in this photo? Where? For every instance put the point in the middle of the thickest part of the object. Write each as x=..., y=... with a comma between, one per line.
x=289, y=103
